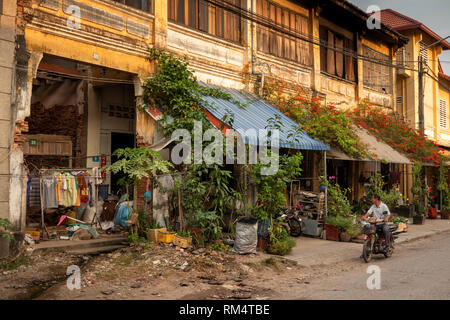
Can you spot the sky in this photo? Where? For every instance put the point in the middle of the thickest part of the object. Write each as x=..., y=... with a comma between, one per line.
x=435, y=14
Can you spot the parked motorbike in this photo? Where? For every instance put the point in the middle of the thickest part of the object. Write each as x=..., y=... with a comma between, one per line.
x=375, y=242
x=292, y=222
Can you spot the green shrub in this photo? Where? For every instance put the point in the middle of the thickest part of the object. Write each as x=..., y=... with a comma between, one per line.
x=281, y=247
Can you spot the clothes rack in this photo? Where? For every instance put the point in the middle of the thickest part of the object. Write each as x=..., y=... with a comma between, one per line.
x=46, y=172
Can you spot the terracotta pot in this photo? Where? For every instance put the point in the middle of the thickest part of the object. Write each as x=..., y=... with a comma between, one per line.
x=332, y=232
x=445, y=214
x=419, y=219
x=345, y=237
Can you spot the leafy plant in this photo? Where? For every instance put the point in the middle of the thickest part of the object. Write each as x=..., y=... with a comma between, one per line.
x=281, y=247
x=443, y=187
x=218, y=246
x=184, y=234
x=271, y=187
x=418, y=190
x=5, y=224
x=209, y=223
x=399, y=220
x=279, y=241
x=377, y=186
x=343, y=223
x=338, y=203
x=137, y=163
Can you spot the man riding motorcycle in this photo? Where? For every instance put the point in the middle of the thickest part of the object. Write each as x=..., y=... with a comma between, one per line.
x=381, y=213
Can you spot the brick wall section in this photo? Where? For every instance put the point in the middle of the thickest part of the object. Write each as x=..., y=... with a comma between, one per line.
x=69, y=123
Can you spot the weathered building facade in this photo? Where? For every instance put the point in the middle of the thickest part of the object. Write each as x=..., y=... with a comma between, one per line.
x=80, y=64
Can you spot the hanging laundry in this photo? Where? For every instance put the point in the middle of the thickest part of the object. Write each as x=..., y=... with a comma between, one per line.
x=49, y=192
x=83, y=188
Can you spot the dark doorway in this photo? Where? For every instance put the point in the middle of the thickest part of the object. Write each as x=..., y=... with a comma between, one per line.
x=119, y=140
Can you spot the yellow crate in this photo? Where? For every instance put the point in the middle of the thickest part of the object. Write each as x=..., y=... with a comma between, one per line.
x=182, y=242
x=166, y=236
x=35, y=234
x=153, y=234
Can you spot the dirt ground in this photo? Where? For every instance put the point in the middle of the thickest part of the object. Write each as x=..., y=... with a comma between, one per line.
x=160, y=272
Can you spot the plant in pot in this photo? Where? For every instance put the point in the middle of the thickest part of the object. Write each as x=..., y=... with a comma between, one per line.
x=418, y=192
x=339, y=210
x=343, y=227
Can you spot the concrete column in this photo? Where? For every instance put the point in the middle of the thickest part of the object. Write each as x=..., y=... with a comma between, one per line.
x=27, y=64
x=160, y=28
x=7, y=47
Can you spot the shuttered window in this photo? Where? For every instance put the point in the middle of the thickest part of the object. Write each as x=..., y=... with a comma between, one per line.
x=279, y=43
x=206, y=17
x=338, y=62
x=423, y=53
x=144, y=5
x=376, y=71
x=443, y=113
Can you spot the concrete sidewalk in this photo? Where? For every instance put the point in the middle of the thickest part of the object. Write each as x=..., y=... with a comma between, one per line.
x=311, y=252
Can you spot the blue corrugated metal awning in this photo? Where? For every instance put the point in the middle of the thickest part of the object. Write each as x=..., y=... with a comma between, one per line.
x=255, y=115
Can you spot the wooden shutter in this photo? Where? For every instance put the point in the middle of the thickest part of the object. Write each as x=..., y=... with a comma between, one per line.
x=443, y=113
x=171, y=9
x=292, y=41
x=280, y=49
x=203, y=15
x=192, y=13
x=331, y=62
x=349, y=61
x=181, y=12
x=272, y=35
x=221, y=30
x=323, y=50
x=265, y=33
x=259, y=29
x=339, y=57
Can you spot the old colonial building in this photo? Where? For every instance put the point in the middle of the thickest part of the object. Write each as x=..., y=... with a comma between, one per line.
x=75, y=78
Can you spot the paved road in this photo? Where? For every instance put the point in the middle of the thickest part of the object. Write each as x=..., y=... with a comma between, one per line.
x=418, y=270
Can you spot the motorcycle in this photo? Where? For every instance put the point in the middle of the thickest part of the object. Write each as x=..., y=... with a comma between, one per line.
x=291, y=222
x=375, y=242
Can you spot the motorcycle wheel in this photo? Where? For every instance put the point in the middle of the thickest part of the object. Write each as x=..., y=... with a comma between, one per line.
x=296, y=227
x=367, y=251
x=390, y=252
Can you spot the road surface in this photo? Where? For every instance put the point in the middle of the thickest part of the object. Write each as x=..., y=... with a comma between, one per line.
x=419, y=270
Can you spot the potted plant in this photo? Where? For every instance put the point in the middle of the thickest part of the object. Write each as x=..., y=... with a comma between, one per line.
x=418, y=191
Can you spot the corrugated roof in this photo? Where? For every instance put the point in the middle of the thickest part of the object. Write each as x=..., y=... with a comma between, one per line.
x=380, y=150
x=255, y=115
